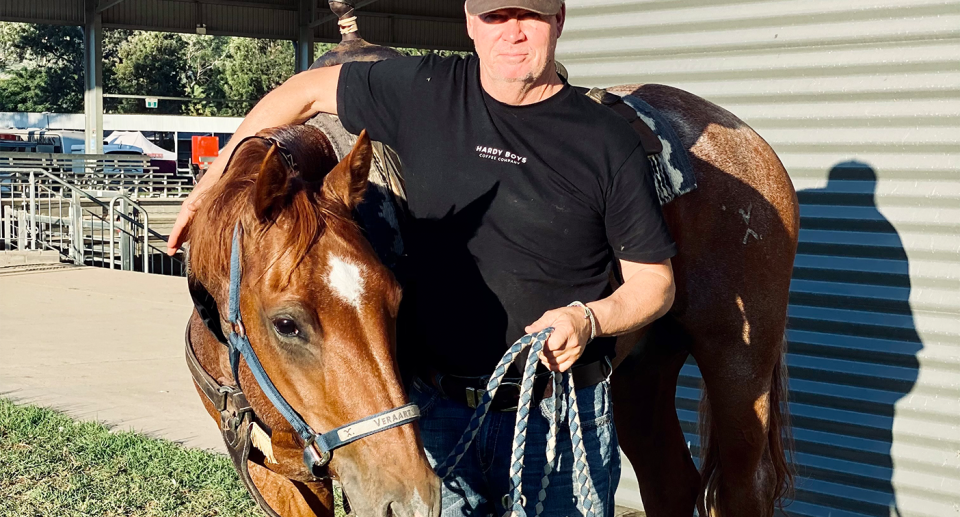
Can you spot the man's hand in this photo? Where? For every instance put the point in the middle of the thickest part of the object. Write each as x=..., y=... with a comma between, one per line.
x=568, y=340
x=294, y=102
x=178, y=235
x=646, y=294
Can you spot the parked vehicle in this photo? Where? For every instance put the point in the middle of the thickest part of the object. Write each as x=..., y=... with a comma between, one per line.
x=39, y=140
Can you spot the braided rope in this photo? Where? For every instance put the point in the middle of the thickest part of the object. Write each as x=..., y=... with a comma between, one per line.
x=551, y=443
x=585, y=496
x=523, y=416
x=481, y=412
x=580, y=467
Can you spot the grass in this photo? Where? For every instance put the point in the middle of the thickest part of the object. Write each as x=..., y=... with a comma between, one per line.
x=53, y=465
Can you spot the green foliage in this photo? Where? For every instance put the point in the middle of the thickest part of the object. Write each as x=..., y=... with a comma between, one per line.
x=44, y=68
x=52, y=465
x=424, y=52
x=205, y=58
x=253, y=68
x=7, y=55
x=41, y=69
x=150, y=63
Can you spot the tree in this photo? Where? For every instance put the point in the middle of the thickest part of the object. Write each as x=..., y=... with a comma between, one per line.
x=8, y=33
x=253, y=68
x=151, y=63
x=41, y=69
x=424, y=51
x=203, y=76
x=45, y=68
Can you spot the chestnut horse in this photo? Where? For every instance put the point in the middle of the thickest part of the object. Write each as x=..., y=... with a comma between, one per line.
x=736, y=238
x=319, y=310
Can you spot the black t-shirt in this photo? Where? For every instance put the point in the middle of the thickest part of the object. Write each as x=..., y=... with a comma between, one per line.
x=514, y=210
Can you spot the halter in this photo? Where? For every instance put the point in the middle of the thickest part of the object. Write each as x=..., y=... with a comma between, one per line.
x=317, y=448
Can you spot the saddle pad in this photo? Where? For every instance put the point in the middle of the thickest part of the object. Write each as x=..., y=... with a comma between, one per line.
x=672, y=172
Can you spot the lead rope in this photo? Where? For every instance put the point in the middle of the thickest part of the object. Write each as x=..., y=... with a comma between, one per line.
x=585, y=496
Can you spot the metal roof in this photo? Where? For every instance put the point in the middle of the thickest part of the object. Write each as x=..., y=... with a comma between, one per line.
x=434, y=24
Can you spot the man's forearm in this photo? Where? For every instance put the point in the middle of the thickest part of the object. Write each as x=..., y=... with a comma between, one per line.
x=644, y=297
x=293, y=102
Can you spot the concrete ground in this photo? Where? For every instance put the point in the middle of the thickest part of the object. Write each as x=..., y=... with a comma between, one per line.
x=105, y=345
x=102, y=345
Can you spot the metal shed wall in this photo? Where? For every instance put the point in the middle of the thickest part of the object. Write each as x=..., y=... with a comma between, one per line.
x=861, y=100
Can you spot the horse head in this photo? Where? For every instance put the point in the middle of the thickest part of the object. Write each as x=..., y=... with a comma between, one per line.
x=318, y=308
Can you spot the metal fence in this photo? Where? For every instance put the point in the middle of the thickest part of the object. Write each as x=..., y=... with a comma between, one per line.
x=87, y=209
x=103, y=173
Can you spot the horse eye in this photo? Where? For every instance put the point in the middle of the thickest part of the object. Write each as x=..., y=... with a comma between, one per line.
x=286, y=327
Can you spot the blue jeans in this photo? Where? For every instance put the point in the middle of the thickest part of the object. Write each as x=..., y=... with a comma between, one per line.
x=481, y=480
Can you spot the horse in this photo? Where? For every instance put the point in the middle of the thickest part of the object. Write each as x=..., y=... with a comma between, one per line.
x=736, y=237
x=319, y=310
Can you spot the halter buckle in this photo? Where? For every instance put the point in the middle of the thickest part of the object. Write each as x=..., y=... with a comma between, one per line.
x=314, y=459
x=239, y=329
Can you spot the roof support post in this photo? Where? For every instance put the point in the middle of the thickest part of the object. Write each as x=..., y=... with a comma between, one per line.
x=93, y=78
x=305, y=35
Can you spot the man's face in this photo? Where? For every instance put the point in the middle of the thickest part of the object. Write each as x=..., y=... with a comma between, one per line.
x=515, y=44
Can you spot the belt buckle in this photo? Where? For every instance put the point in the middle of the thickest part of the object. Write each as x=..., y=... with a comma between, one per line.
x=474, y=396
x=519, y=389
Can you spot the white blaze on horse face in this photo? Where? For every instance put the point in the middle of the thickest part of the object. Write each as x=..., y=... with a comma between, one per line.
x=346, y=281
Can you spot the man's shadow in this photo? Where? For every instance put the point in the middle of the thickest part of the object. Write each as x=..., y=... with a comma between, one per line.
x=853, y=344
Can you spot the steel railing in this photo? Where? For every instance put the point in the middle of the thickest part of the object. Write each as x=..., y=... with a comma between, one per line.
x=102, y=174
x=39, y=210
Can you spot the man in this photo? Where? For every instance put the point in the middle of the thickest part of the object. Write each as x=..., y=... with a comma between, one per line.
x=522, y=196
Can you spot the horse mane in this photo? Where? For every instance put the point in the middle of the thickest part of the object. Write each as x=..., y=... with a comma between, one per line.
x=274, y=179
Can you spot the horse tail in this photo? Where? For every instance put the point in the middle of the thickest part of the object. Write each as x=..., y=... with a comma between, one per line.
x=709, y=457
x=779, y=437
x=780, y=434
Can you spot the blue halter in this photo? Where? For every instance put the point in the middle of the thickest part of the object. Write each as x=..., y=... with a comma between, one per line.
x=317, y=448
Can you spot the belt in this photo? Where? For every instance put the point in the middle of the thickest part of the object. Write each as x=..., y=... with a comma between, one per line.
x=470, y=390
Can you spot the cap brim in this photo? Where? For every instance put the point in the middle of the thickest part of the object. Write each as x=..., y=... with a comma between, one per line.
x=490, y=6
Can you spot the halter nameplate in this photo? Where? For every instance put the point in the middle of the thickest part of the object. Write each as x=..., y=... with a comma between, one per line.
x=371, y=425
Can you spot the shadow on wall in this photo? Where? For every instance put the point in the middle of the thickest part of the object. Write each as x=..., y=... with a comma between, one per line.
x=853, y=345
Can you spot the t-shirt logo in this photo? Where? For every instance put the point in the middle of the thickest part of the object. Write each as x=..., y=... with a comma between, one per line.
x=492, y=153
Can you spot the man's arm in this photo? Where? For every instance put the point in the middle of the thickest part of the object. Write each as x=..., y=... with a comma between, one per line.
x=295, y=101
x=647, y=293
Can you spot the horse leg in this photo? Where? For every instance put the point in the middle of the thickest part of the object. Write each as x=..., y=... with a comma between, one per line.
x=740, y=476
x=644, y=391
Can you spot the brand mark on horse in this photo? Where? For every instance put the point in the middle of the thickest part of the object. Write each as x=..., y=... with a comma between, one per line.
x=746, y=220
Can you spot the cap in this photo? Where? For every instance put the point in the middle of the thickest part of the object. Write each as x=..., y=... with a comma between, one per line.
x=547, y=7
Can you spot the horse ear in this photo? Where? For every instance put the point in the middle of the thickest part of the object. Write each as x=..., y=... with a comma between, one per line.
x=348, y=180
x=271, y=187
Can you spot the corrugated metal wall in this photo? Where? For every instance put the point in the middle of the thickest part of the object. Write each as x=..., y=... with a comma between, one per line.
x=861, y=100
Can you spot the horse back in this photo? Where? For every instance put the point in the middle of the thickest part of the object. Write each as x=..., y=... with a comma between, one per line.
x=740, y=226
